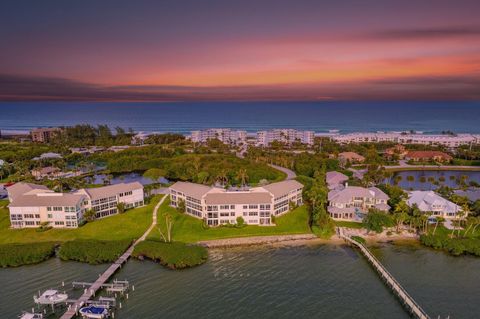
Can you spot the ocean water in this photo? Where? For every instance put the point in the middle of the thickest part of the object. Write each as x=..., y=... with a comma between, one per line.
x=318, y=281
x=430, y=117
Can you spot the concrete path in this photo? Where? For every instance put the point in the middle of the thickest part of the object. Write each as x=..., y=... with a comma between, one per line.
x=90, y=292
x=290, y=174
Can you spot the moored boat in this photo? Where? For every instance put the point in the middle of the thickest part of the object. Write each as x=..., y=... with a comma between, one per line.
x=50, y=297
x=94, y=311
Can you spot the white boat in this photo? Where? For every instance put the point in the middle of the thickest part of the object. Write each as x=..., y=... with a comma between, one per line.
x=30, y=315
x=94, y=312
x=50, y=297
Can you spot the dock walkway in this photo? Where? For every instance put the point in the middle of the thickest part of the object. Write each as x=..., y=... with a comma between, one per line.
x=401, y=293
x=100, y=282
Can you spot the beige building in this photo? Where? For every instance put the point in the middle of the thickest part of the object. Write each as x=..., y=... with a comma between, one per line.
x=350, y=157
x=353, y=202
x=218, y=206
x=44, y=135
x=32, y=205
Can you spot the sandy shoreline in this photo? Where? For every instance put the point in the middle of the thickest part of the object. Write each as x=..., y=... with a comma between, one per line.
x=305, y=239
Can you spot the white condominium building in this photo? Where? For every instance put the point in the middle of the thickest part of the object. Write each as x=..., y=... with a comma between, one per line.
x=218, y=206
x=225, y=135
x=33, y=205
x=287, y=136
x=104, y=200
x=402, y=138
x=352, y=202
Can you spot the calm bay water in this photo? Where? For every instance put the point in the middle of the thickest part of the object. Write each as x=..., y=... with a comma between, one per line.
x=326, y=281
x=252, y=116
x=424, y=180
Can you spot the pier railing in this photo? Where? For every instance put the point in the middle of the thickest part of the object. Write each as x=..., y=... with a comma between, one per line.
x=398, y=289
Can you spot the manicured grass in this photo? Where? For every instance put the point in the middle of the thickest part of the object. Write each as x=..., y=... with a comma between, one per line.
x=189, y=229
x=173, y=255
x=12, y=255
x=127, y=226
x=347, y=224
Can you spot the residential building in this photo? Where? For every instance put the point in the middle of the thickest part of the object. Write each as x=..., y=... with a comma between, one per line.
x=217, y=206
x=353, y=202
x=104, y=200
x=286, y=136
x=427, y=156
x=225, y=135
x=335, y=180
x=350, y=157
x=448, y=140
x=44, y=135
x=33, y=205
x=398, y=151
x=47, y=156
x=433, y=204
x=45, y=172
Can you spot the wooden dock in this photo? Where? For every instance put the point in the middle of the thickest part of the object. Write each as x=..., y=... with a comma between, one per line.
x=101, y=281
x=399, y=291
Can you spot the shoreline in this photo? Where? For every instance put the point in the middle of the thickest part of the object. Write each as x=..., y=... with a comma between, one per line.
x=300, y=240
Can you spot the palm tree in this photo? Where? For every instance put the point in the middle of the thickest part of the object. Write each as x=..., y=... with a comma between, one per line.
x=222, y=177
x=438, y=220
x=242, y=176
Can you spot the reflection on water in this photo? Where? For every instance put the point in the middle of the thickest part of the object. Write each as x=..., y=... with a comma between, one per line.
x=125, y=178
x=430, y=180
x=325, y=281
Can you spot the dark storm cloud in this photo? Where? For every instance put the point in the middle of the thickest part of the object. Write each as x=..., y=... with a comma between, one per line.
x=18, y=88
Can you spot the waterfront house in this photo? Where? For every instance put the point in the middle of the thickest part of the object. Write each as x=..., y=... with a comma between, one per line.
x=218, y=206
x=33, y=205
x=353, y=202
x=433, y=204
x=428, y=156
x=335, y=180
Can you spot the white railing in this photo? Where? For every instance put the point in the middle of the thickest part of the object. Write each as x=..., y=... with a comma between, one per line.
x=396, y=286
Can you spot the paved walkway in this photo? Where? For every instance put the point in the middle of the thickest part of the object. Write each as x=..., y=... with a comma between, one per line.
x=90, y=292
x=290, y=174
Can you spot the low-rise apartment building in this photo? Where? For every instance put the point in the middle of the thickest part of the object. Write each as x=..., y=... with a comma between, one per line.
x=32, y=205
x=218, y=206
x=287, y=136
x=225, y=135
x=353, y=202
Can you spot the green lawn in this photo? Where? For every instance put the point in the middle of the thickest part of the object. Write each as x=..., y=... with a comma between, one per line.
x=348, y=224
x=130, y=225
x=189, y=229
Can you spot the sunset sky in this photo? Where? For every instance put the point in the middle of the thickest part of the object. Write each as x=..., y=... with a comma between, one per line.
x=239, y=50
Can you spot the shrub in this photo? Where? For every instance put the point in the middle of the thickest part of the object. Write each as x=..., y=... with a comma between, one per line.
x=93, y=251
x=12, y=255
x=174, y=255
x=359, y=239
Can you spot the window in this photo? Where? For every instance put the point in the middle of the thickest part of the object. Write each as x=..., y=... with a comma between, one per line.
x=49, y=216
